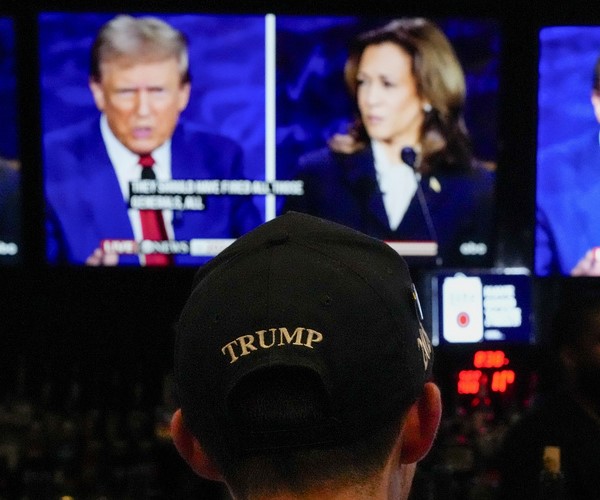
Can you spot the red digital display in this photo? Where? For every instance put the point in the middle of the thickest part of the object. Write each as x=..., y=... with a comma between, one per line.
x=490, y=359
x=468, y=381
x=502, y=379
x=486, y=368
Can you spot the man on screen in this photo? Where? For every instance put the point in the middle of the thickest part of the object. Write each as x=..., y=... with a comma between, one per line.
x=140, y=82
x=567, y=222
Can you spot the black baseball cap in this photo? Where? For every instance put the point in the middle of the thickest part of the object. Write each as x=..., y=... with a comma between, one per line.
x=302, y=292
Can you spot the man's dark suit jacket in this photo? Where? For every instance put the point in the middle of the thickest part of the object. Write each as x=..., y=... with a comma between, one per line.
x=568, y=196
x=343, y=188
x=85, y=204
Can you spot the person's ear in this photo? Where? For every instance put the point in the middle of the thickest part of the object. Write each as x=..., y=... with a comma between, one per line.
x=191, y=451
x=183, y=97
x=97, y=94
x=421, y=424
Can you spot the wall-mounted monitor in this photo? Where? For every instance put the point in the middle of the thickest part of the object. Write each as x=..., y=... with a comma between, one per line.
x=245, y=134
x=567, y=237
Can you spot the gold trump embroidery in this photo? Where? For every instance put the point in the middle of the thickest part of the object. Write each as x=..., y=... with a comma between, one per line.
x=273, y=337
x=424, y=346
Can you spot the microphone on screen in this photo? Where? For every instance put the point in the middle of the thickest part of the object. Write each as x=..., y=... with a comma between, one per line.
x=410, y=157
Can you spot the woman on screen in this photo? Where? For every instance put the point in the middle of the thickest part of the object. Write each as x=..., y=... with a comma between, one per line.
x=405, y=170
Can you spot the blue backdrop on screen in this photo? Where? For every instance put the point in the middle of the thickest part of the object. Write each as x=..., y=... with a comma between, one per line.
x=312, y=100
x=226, y=65
x=567, y=58
x=8, y=90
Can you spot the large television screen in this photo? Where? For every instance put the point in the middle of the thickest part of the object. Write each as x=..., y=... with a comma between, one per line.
x=10, y=170
x=567, y=237
x=266, y=123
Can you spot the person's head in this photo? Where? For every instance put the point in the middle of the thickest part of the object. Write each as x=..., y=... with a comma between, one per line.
x=302, y=366
x=410, y=90
x=576, y=339
x=139, y=77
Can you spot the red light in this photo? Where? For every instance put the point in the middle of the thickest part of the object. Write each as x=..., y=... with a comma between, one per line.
x=489, y=359
x=463, y=319
x=468, y=381
x=502, y=379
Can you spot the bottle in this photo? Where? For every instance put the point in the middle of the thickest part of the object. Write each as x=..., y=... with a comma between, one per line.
x=552, y=481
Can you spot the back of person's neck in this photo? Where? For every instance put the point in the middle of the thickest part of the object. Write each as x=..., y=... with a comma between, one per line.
x=371, y=491
x=344, y=494
x=384, y=487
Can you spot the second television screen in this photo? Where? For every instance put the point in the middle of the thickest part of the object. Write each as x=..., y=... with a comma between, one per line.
x=568, y=178
x=152, y=157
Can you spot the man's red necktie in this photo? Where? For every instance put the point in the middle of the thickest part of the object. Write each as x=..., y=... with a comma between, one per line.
x=153, y=224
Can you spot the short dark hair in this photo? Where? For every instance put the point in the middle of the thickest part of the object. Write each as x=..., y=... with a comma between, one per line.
x=284, y=397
